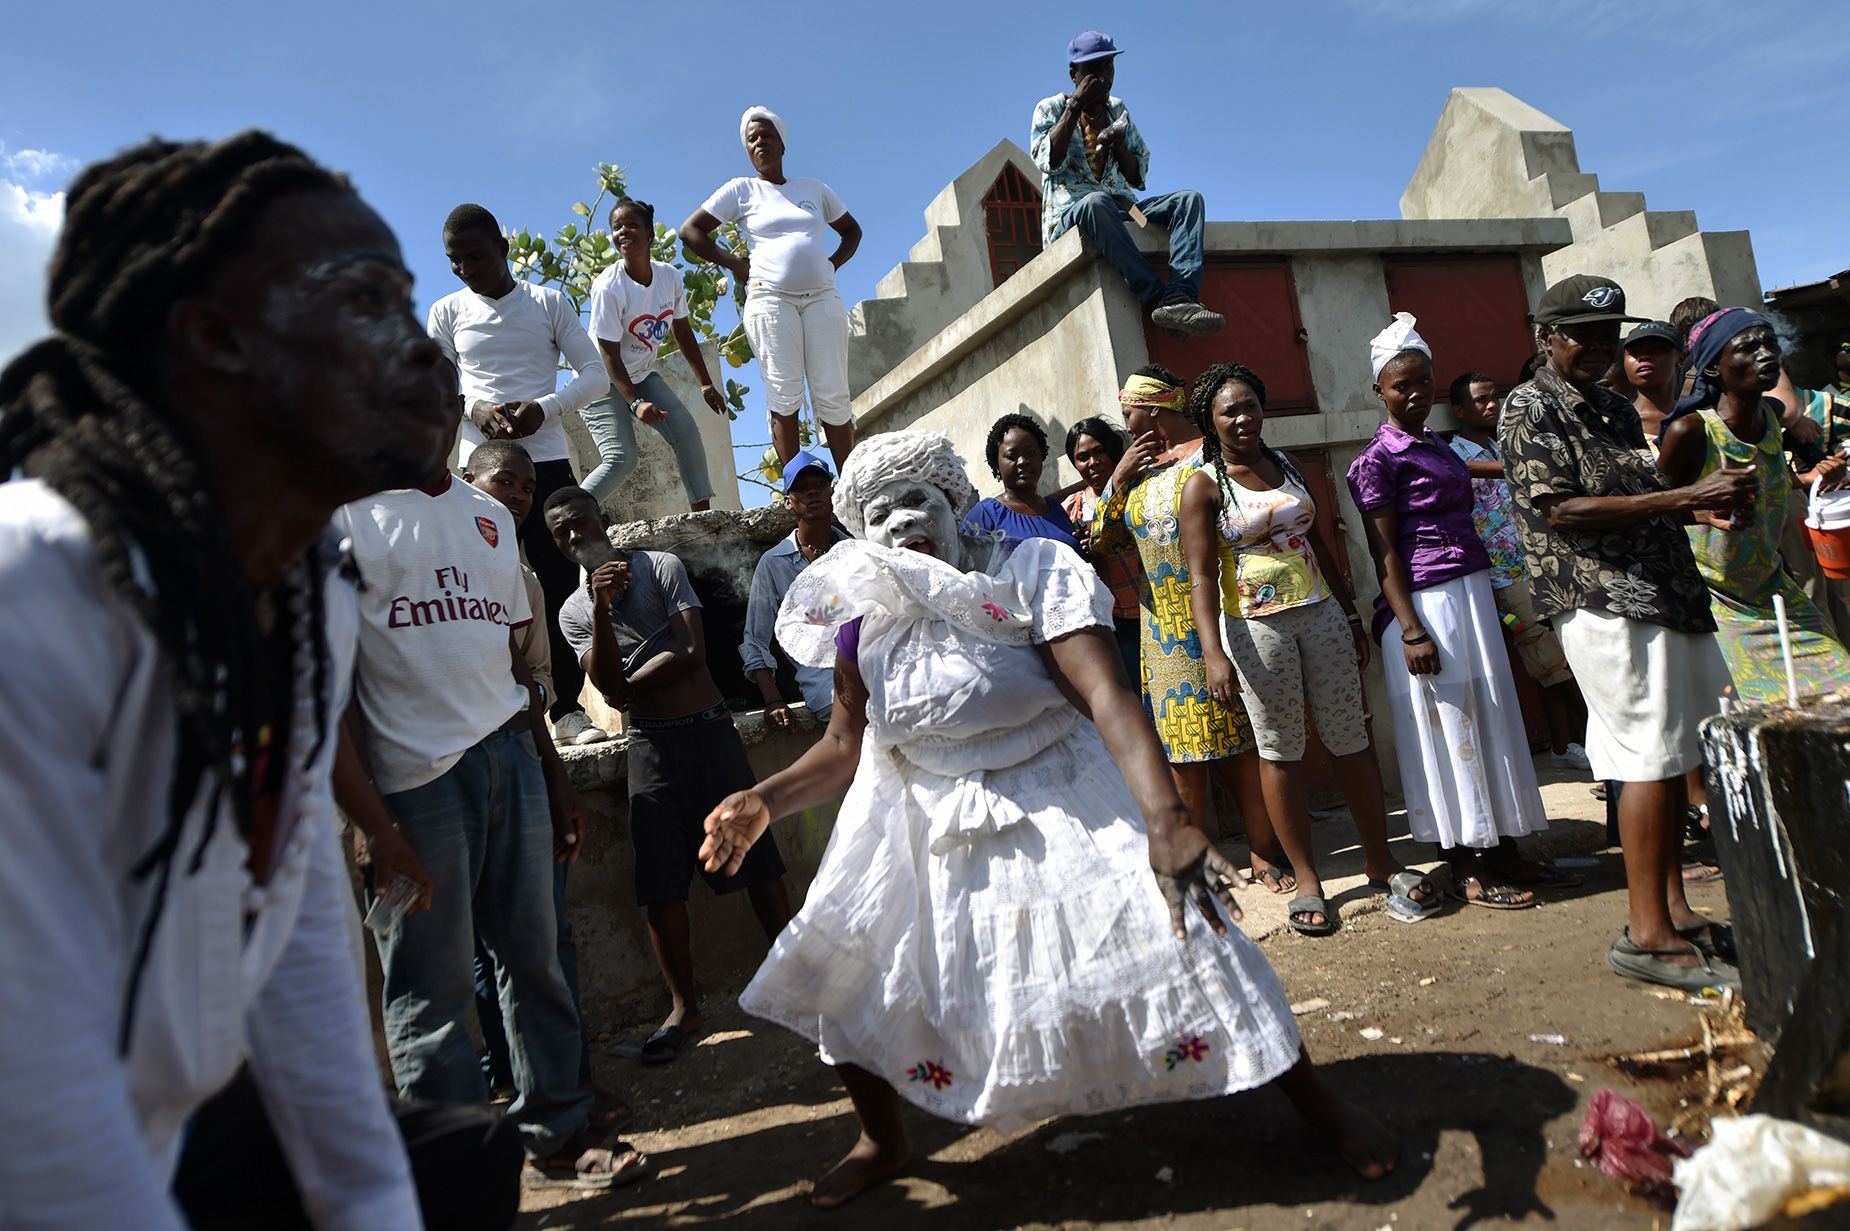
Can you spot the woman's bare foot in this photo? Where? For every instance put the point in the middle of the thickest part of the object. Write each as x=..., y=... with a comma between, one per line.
x=866, y=1165
x=1364, y=1142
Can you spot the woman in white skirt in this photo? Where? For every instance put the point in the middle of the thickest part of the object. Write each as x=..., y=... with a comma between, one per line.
x=800, y=233
x=1458, y=731
x=984, y=935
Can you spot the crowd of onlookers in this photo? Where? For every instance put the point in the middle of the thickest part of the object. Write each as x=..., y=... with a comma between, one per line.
x=203, y=662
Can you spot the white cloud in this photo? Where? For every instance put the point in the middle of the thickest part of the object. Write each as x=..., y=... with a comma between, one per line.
x=29, y=221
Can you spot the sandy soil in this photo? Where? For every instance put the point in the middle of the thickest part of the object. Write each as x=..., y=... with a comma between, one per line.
x=1488, y=1115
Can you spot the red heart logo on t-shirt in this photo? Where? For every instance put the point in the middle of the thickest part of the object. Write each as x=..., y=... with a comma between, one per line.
x=651, y=331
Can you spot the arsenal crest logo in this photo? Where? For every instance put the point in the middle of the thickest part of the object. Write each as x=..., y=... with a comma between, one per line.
x=489, y=530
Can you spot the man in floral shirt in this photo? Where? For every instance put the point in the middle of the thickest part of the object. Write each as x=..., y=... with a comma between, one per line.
x=1093, y=162
x=1474, y=405
x=1603, y=539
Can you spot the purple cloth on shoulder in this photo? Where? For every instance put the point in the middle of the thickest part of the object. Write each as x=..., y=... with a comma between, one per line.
x=848, y=640
x=991, y=515
x=1429, y=488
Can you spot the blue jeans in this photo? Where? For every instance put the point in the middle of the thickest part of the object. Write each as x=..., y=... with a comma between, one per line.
x=497, y=1069
x=1100, y=217
x=613, y=430
x=484, y=832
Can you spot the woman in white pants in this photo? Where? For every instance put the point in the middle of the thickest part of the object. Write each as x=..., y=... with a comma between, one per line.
x=794, y=316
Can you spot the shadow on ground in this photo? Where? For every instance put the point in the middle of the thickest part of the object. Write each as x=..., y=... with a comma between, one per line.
x=1248, y=1153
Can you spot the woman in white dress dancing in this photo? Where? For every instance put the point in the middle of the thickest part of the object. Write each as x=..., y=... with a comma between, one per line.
x=983, y=935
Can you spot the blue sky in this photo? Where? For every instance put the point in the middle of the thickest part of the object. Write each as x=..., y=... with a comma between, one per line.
x=1309, y=109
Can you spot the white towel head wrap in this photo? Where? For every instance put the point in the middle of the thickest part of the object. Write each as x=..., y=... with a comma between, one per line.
x=878, y=460
x=1397, y=337
x=762, y=113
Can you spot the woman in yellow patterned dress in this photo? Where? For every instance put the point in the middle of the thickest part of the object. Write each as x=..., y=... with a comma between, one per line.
x=1141, y=506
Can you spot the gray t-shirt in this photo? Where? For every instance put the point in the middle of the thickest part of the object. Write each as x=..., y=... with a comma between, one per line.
x=658, y=589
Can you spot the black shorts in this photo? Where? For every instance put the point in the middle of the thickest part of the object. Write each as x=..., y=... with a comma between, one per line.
x=679, y=771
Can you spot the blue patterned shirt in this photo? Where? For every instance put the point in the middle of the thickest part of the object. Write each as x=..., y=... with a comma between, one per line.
x=1073, y=179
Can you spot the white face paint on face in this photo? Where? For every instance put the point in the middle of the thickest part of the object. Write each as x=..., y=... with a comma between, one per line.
x=913, y=515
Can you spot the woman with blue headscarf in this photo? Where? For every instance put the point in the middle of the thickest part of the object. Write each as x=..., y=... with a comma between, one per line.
x=1728, y=422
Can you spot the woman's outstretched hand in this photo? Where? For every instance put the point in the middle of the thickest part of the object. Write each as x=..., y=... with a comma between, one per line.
x=731, y=829
x=1188, y=868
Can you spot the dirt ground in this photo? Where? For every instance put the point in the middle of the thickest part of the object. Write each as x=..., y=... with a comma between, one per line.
x=1488, y=1113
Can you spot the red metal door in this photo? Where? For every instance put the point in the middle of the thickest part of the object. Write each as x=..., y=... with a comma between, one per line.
x=1473, y=311
x=1260, y=301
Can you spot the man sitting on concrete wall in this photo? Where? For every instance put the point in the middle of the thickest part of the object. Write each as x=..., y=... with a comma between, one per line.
x=1093, y=162
x=635, y=626
x=447, y=727
x=809, y=491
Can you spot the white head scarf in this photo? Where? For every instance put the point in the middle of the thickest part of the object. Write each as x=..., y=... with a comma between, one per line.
x=762, y=113
x=1397, y=337
x=878, y=460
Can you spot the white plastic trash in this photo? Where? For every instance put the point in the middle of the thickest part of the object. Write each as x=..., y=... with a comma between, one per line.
x=1749, y=1168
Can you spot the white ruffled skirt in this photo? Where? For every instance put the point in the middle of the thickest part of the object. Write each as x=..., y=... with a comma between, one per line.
x=1459, y=737
x=1005, y=972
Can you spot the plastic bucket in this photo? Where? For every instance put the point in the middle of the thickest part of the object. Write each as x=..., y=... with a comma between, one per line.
x=1827, y=526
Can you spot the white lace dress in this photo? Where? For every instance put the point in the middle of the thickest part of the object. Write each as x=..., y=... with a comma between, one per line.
x=984, y=931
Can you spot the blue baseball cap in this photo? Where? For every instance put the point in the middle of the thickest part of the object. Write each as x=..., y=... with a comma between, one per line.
x=803, y=460
x=1091, y=45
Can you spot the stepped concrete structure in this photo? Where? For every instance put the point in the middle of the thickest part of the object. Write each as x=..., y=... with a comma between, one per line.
x=1494, y=156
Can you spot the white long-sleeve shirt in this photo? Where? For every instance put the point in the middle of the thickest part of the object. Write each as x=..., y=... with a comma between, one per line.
x=508, y=350
x=235, y=972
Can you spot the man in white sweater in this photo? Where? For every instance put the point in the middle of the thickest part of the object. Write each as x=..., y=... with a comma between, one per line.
x=235, y=357
x=506, y=338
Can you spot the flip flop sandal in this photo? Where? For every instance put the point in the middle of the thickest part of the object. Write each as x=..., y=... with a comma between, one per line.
x=1491, y=897
x=560, y=1171
x=664, y=1045
x=1271, y=878
x=1305, y=904
x=1402, y=905
x=1716, y=940
x=1648, y=966
x=1700, y=872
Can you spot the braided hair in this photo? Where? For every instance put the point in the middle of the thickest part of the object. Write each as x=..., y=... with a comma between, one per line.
x=82, y=412
x=1201, y=405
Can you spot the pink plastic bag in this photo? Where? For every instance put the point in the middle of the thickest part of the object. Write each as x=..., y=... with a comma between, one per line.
x=1620, y=1138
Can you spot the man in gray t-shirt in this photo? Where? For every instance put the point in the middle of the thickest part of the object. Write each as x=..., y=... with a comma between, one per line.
x=635, y=626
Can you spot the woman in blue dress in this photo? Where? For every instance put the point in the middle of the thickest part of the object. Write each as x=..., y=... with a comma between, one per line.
x=1017, y=453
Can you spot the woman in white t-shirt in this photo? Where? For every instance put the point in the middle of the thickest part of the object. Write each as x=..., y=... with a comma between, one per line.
x=635, y=305
x=794, y=317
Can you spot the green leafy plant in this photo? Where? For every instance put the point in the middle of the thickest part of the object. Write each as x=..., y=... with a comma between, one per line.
x=579, y=251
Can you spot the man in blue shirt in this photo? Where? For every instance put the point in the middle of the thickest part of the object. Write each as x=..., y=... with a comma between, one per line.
x=809, y=489
x=1093, y=162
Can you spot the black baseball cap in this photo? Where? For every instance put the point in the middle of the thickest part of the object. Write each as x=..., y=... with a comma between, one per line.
x=1660, y=330
x=1581, y=299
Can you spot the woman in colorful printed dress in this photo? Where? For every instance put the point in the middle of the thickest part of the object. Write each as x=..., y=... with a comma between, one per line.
x=984, y=936
x=1727, y=422
x=1458, y=729
x=1249, y=528
x=1095, y=448
x=1141, y=508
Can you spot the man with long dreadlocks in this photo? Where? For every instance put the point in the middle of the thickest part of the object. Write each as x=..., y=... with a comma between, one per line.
x=233, y=358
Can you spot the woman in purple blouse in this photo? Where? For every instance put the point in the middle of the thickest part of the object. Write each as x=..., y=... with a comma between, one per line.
x=1458, y=729
x=1017, y=453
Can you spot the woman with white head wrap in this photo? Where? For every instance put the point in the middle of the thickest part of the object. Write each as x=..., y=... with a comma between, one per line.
x=984, y=935
x=1458, y=731
x=793, y=315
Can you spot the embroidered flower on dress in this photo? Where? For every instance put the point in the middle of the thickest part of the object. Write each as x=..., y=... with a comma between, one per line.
x=995, y=613
x=827, y=612
x=934, y=1075
x=1192, y=1049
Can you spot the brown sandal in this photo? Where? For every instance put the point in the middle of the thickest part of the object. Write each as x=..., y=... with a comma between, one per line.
x=1492, y=897
x=587, y=1162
